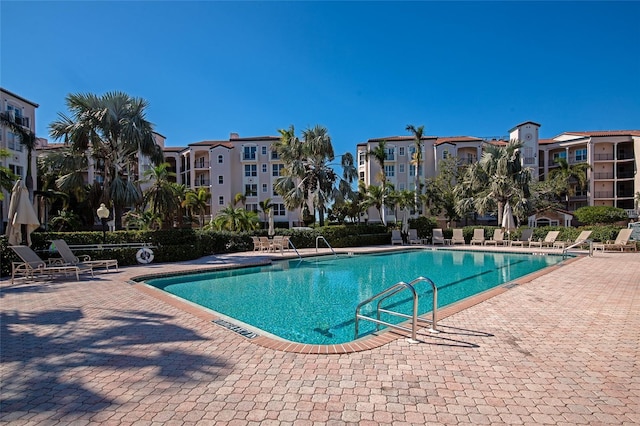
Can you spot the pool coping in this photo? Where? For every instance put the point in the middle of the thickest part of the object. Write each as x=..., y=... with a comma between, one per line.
x=368, y=342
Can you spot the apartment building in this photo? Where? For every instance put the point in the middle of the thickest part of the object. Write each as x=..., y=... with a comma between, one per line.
x=23, y=112
x=613, y=157
x=248, y=166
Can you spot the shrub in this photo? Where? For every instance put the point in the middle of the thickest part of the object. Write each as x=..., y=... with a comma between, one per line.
x=593, y=215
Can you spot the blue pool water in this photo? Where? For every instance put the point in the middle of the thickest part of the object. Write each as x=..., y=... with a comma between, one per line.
x=314, y=300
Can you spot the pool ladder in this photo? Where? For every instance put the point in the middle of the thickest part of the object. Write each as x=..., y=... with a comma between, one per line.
x=391, y=291
x=320, y=237
x=579, y=243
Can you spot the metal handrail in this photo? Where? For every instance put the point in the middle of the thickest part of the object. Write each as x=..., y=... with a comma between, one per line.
x=295, y=249
x=391, y=291
x=576, y=244
x=320, y=237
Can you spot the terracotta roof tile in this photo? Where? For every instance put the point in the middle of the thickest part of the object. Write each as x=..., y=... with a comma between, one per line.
x=596, y=133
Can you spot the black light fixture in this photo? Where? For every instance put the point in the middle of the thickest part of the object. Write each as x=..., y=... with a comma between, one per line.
x=103, y=214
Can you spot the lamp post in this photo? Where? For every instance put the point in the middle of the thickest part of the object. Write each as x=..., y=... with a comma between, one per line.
x=103, y=214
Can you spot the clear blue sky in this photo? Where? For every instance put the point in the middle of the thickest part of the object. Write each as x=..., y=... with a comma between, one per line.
x=362, y=69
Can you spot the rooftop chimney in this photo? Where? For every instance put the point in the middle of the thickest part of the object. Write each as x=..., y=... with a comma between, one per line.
x=234, y=135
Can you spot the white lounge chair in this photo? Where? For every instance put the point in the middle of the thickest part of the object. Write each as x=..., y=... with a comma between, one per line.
x=396, y=237
x=437, y=237
x=32, y=264
x=458, y=237
x=525, y=237
x=498, y=238
x=69, y=258
x=413, y=237
x=582, y=238
x=478, y=237
x=548, y=240
x=621, y=242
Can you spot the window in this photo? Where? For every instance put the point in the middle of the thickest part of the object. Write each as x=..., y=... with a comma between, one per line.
x=412, y=170
x=274, y=155
x=402, y=186
x=220, y=159
x=400, y=168
x=391, y=153
x=412, y=150
x=273, y=191
x=13, y=142
x=249, y=153
x=401, y=150
x=251, y=207
x=17, y=170
x=558, y=155
x=390, y=171
x=362, y=156
x=361, y=176
x=264, y=187
x=581, y=154
x=250, y=170
x=279, y=210
x=251, y=190
x=264, y=150
x=221, y=200
x=220, y=180
x=264, y=168
x=445, y=154
x=276, y=169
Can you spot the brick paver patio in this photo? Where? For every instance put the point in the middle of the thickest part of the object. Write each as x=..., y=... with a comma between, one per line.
x=562, y=349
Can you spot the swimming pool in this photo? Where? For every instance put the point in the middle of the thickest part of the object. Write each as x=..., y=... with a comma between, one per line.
x=314, y=300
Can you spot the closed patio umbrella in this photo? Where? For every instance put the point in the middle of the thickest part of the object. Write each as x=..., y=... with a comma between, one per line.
x=21, y=212
x=271, y=230
x=405, y=221
x=508, y=223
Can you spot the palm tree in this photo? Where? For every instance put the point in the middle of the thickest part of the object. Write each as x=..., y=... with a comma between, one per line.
x=497, y=178
x=28, y=139
x=569, y=178
x=236, y=219
x=379, y=153
x=7, y=178
x=197, y=202
x=161, y=195
x=308, y=176
x=374, y=197
x=114, y=128
x=265, y=206
x=417, y=157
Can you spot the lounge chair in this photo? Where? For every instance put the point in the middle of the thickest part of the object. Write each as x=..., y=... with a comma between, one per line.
x=582, y=238
x=32, y=264
x=396, y=237
x=478, y=236
x=548, y=241
x=458, y=237
x=280, y=242
x=498, y=238
x=71, y=259
x=525, y=237
x=257, y=246
x=413, y=237
x=621, y=242
x=437, y=237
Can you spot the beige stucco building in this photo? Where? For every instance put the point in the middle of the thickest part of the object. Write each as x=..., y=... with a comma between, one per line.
x=23, y=112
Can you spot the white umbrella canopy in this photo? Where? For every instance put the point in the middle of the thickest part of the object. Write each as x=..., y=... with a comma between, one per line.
x=272, y=230
x=21, y=212
x=405, y=220
x=508, y=223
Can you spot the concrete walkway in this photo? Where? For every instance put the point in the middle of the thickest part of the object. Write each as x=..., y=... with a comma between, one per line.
x=562, y=349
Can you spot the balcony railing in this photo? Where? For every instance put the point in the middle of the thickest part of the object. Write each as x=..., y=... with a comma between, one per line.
x=604, y=194
x=602, y=157
x=201, y=164
x=602, y=175
x=625, y=156
x=248, y=157
x=625, y=174
x=201, y=182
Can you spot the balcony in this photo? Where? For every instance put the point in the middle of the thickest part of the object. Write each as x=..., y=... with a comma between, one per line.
x=248, y=156
x=603, y=157
x=201, y=164
x=201, y=182
x=603, y=175
x=604, y=194
x=625, y=174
